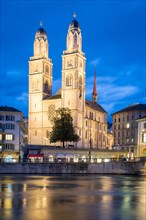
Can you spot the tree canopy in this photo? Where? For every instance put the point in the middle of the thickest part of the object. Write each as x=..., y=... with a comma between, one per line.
x=63, y=129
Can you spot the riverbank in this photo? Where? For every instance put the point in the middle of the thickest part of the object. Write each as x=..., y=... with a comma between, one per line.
x=130, y=168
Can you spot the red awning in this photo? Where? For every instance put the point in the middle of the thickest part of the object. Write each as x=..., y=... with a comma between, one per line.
x=36, y=155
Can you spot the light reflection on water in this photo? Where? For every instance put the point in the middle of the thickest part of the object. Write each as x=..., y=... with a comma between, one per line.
x=66, y=197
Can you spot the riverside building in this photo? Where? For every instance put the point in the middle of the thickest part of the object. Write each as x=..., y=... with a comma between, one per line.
x=125, y=126
x=13, y=133
x=89, y=117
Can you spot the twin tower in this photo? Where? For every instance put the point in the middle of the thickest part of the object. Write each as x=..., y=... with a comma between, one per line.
x=42, y=104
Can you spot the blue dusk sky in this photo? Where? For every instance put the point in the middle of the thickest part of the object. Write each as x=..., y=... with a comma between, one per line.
x=113, y=36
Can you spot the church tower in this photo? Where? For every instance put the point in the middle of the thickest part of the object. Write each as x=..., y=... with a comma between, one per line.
x=40, y=85
x=73, y=77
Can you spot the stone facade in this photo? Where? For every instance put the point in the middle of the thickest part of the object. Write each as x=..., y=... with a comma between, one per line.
x=141, y=146
x=13, y=133
x=125, y=125
x=89, y=118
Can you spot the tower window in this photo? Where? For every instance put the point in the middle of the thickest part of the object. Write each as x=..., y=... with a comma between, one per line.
x=69, y=80
x=75, y=40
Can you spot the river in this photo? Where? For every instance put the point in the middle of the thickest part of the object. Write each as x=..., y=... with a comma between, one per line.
x=72, y=197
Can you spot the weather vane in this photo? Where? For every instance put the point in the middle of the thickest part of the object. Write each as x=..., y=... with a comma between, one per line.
x=74, y=15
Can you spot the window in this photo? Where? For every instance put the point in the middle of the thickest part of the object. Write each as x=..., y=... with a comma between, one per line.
x=10, y=126
x=123, y=119
x=144, y=125
x=35, y=133
x=127, y=118
x=86, y=123
x=118, y=134
x=10, y=118
x=0, y=136
x=86, y=135
x=118, y=126
x=47, y=69
x=47, y=134
x=128, y=125
x=119, y=119
x=115, y=119
x=2, y=126
x=69, y=80
x=127, y=140
x=1, y=117
x=8, y=147
x=9, y=137
x=144, y=137
x=75, y=40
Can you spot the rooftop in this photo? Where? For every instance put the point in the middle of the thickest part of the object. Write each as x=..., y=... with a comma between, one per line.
x=95, y=106
x=8, y=109
x=136, y=107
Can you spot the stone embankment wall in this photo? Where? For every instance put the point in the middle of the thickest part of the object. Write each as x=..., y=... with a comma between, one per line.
x=72, y=168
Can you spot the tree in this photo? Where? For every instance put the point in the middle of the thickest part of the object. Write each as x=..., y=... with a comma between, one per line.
x=63, y=129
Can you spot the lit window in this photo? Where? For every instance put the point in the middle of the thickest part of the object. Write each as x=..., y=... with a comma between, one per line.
x=127, y=140
x=132, y=139
x=144, y=138
x=0, y=136
x=128, y=125
x=9, y=137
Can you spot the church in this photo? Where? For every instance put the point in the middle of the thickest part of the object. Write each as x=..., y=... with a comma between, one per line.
x=89, y=117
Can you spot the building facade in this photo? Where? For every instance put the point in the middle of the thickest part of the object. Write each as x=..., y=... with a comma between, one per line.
x=89, y=118
x=13, y=133
x=141, y=145
x=125, y=125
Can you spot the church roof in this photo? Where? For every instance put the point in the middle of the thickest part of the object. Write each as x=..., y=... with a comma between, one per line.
x=58, y=92
x=53, y=97
x=95, y=106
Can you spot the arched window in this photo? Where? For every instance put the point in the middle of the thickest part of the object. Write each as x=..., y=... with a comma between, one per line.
x=80, y=87
x=69, y=80
x=75, y=40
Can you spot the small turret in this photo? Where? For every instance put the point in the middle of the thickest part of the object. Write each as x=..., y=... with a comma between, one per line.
x=41, y=42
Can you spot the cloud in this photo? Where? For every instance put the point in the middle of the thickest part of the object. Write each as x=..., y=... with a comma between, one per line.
x=110, y=93
x=95, y=62
x=23, y=97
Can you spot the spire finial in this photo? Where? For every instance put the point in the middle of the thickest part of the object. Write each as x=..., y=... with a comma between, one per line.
x=74, y=15
x=41, y=23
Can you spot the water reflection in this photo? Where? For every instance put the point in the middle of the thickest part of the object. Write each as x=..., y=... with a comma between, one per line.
x=72, y=197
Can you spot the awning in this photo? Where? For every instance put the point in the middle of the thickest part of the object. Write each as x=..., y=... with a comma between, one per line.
x=60, y=155
x=69, y=155
x=36, y=155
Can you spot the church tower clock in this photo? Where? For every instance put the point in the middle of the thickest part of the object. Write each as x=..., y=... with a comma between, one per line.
x=73, y=76
x=40, y=85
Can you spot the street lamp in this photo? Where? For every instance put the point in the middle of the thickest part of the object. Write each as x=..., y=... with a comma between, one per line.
x=19, y=123
x=90, y=146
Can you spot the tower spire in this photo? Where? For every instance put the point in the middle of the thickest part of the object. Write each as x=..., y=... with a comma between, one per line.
x=94, y=94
